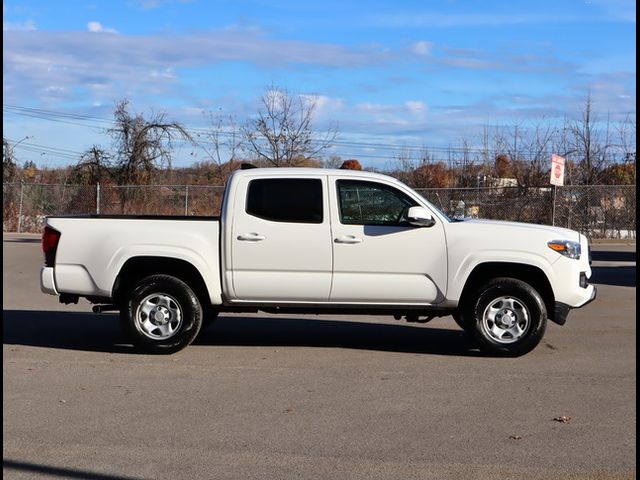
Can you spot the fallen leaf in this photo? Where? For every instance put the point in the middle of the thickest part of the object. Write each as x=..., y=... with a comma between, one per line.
x=515, y=437
x=562, y=419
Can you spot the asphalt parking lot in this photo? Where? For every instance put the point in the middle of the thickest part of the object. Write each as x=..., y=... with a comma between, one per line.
x=266, y=397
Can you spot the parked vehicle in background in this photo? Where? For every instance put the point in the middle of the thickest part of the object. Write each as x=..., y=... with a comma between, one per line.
x=319, y=241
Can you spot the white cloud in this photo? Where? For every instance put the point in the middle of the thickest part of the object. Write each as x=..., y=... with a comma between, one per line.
x=410, y=112
x=97, y=27
x=606, y=10
x=109, y=66
x=27, y=26
x=166, y=73
x=437, y=20
x=151, y=4
x=417, y=108
x=325, y=106
x=422, y=48
x=620, y=10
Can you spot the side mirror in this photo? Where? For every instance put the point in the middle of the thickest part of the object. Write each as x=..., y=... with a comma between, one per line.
x=420, y=217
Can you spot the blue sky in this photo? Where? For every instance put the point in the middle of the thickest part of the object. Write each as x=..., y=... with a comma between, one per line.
x=394, y=73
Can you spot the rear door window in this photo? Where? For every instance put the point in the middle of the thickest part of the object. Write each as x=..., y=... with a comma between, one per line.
x=292, y=200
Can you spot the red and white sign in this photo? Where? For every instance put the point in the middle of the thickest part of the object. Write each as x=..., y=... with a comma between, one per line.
x=557, y=170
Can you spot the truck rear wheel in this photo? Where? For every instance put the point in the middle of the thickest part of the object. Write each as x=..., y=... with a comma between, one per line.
x=162, y=314
x=506, y=317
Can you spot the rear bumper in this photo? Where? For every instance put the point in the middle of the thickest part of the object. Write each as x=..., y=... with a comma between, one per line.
x=561, y=310
x=47, y=282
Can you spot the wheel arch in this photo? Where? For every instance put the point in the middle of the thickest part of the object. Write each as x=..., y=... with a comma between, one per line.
x=529, y=274
x=136, y=268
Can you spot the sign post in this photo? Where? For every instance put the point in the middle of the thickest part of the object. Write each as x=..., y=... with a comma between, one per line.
x=557, y=180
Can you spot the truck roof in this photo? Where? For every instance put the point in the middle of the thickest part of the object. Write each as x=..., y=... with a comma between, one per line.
x=298, y=171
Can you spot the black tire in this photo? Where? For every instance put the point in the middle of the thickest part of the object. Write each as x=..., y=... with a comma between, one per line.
x=457, y=316
x=506, y=317
x=170, y=318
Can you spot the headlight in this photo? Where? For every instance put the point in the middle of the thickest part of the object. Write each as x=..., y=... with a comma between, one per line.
x=565, y=247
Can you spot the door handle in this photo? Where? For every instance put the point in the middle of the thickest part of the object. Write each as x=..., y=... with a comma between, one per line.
x=349, y=239
x=251, y=237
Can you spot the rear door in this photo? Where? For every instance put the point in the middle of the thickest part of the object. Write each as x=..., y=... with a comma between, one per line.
x=281, y=240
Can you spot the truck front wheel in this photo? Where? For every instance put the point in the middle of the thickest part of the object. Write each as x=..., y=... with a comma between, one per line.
x=506, y=317
x=162, y=314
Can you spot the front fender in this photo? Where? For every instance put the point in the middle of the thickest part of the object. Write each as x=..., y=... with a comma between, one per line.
x=460, y=275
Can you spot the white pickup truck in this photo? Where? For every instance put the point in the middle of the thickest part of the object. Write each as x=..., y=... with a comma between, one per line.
x=301, y=240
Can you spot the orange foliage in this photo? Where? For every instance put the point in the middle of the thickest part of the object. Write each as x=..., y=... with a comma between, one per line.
x=432, y=175
x=619, y=174
x=351, y=165
x=503, y=166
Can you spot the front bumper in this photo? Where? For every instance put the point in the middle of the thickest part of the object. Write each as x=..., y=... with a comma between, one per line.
x=561, y=310
x=570, y=279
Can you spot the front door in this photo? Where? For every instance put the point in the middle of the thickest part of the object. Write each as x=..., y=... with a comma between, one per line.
x=379, y=258
x=281, y=240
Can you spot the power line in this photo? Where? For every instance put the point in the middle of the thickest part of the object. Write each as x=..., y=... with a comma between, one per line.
x=52, y=113
x=61, y=117
x=64, y=116
x=102, y=124
x=46, y=150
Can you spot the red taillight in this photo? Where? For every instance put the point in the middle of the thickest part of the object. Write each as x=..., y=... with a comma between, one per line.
x=50, y=238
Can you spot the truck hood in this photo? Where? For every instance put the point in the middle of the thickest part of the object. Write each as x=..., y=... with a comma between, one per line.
x=557, y=233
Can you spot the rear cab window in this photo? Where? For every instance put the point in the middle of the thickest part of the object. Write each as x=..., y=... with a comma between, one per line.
x=289, y=200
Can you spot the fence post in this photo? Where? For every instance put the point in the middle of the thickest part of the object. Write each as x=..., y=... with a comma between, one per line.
x=186, y=200
x=553, y=208
x=20, y=207
x=98, y=198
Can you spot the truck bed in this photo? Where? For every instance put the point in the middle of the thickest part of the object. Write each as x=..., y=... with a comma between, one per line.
x=138, y=217
x=94, y=248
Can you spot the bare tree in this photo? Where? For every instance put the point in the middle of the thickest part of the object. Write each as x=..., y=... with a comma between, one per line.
x=142, y=146
x=222, y=144
x=92, y=168
x=470, y=171
x=526, y=152
x=507, y=142
x=334, y=161
x=538, y=143
x=586, y=144
x=627, y=137
x=9, y=167
x=281, y=134
x=404, y=165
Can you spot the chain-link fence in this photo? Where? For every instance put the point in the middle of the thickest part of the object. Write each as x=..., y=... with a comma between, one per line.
x=189, y=200
x=600, y=211
x=25, y=206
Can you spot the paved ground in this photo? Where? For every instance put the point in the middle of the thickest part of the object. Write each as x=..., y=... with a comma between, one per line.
x=268, y=397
